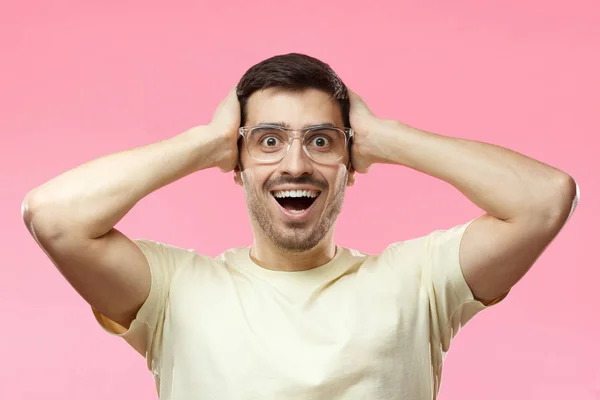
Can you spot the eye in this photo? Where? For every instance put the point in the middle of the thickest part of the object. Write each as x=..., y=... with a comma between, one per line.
x=319, y=141
x=270, y=141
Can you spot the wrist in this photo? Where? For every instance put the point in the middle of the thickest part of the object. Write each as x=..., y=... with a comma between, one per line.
x=382, y=140
x=398, y=142
x=210, y=147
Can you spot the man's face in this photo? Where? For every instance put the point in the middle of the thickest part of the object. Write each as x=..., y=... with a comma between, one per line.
x=293, y=224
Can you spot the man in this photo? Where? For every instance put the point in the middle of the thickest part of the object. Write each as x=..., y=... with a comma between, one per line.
x=294, y=316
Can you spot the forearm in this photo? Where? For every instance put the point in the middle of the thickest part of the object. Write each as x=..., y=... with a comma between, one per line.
x=504, y=183
x=89, y=200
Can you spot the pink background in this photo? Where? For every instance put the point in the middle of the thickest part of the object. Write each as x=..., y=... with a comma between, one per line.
x=81, y=79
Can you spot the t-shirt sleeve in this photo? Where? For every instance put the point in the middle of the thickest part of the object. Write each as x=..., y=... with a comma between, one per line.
x=452, y=303
x=145, y=331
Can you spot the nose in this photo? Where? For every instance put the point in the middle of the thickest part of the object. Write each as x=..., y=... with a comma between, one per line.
x=296, y=162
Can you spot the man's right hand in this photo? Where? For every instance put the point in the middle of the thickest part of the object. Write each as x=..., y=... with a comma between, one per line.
x=226, y=123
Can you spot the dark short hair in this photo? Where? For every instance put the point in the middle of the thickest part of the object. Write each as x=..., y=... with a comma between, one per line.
x=293, y=71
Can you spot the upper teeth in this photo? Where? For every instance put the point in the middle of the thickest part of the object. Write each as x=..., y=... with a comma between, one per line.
x=295, y=193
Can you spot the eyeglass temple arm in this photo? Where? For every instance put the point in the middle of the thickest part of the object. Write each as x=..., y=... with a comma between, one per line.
x=350, y=143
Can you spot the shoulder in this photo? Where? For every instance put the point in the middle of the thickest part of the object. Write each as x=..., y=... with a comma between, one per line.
x=235, y=256
x=439, y=239
x=161, y=255
x=417, y=251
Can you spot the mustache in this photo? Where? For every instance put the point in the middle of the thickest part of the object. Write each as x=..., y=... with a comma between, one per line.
x=303, y=180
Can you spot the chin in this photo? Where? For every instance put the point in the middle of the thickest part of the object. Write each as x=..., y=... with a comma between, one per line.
x=297, y=237
x=294, y=247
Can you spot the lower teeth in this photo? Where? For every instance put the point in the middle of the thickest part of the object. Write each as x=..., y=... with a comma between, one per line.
x=296, y=211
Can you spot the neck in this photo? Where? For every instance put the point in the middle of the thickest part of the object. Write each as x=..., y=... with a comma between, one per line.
x=267, y=255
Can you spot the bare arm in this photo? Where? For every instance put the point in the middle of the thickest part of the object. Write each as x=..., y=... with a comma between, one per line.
x=72, y=216
x=526, y=201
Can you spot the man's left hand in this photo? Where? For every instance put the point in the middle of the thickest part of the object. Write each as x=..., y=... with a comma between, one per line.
x=368, y=147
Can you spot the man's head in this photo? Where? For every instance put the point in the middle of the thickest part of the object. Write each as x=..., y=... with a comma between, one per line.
x=294, y=197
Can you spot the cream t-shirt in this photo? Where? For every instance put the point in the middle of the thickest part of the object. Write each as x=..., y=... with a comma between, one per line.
x=359, y=327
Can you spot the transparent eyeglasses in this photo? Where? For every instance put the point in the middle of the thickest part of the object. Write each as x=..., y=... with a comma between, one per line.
x=323, y=144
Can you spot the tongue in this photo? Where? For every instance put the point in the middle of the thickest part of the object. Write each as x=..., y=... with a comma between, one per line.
x=295, y=203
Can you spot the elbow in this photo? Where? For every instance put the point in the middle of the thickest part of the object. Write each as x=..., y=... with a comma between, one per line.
x=550, y=205
x=563, y=199
x=567, y=192
x=29, y=206
x=570, y=191
x=37, y=216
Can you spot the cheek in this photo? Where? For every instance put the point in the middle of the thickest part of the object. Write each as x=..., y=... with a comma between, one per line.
x=254, y=177
x=339, y=177
x=335, y=177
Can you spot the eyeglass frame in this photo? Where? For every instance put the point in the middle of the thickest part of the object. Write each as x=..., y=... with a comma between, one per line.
x=293, y=135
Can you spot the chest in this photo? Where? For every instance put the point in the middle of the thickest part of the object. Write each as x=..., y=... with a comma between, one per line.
x=242, y=329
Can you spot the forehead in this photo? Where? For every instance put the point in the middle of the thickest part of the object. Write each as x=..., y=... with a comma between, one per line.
x=295, y=108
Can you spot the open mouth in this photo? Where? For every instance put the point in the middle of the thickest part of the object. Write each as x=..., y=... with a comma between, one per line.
x=295, y=201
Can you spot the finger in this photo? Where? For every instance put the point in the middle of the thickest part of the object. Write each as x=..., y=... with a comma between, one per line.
x=353, y=95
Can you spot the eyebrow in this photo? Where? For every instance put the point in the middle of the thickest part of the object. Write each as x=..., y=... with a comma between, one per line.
x=282, y=124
